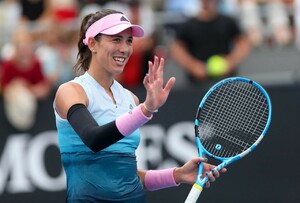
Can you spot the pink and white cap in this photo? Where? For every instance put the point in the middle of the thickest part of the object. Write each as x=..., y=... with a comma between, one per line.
x=110, y=25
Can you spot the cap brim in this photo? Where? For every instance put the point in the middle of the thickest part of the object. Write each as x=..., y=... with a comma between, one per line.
x=137, y=31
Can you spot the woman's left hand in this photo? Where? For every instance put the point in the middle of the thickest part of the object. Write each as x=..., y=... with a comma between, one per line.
x=157, y=94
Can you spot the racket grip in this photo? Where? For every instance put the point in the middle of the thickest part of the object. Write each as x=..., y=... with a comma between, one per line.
x=194, y=194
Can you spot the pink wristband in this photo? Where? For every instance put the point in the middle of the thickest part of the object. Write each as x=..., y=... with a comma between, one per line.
x=159, y=179
x=131, y=121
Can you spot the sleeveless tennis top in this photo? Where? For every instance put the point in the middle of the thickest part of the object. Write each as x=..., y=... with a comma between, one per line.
x=107, y=175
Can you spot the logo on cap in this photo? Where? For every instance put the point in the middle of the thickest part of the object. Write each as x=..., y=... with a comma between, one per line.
x=124, y=19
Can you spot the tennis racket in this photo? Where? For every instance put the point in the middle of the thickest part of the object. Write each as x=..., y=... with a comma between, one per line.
x=231, y=120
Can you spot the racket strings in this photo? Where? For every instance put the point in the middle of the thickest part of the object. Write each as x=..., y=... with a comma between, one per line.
x=245, y=117
x=236, y=121
x=233, y=118
x=258, y=116
x=228, y=118
x=246, y=112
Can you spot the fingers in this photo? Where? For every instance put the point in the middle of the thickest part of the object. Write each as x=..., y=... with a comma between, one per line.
x=157, y=63
x=199, y=159
x=223, y=170
x=155, y=73
x=146, y=79
x=170, y=84
x=213, y=175
x=207, y=184
x=150, y=72
x=157, y=93
x=160, y=67
x=156, y=68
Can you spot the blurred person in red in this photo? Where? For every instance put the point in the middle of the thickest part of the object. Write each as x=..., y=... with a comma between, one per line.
x=24, y=67
x=23, y=82
x=65, y=11
x=39, y=14
x=210, y=45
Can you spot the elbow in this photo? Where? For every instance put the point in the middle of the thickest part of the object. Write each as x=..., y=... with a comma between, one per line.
x=92, y=146
x=95, y=147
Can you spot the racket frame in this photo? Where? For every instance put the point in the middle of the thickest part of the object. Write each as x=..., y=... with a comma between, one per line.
x=200, y=182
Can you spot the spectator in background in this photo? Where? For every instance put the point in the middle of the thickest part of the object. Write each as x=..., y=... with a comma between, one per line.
x=34, y=14
x=23, y=82
x=65, y=11
x=187, y=8
x=266, y=20
x=58, y=54
x=297, y=23
x=1, y=73
x=209, y=45
x=10, y=12
x=24, y=67
x=137, y=66
x=37, y=16
x=40, y=12
x=32, y=10
x=57, y=48
x=90, y=6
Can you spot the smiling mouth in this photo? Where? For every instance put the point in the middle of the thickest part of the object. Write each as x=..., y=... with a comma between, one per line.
x=119, y=59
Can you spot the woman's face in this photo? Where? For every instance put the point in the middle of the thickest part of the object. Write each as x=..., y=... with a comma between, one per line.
x=113, y=51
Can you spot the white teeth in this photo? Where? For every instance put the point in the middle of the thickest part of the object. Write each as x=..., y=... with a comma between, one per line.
x=119, y=59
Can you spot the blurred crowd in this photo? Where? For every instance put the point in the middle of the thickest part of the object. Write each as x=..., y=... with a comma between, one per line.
x=38, y=39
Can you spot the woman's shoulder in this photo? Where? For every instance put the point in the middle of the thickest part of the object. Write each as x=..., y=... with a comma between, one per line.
x=70, y=88
x=67, y=95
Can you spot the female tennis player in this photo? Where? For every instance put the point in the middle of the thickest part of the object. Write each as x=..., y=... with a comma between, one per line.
x=98, y=120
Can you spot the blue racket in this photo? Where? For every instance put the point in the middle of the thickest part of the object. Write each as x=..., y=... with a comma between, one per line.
x=231, y=120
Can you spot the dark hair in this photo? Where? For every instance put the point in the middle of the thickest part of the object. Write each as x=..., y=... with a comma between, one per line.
x=84, y=54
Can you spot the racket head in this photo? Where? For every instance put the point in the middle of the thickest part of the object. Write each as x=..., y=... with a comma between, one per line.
x=232, y=118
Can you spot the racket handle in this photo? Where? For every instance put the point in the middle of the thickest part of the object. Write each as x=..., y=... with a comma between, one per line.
x=194, y=194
